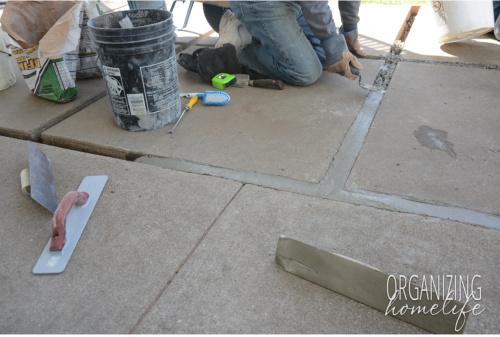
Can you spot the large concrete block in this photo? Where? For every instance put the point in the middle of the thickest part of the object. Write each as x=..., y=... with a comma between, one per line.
x=293, y=132
x=143, y=227
x=231, y=284
x=422, y=43
x=25, y=115
x=428, y=108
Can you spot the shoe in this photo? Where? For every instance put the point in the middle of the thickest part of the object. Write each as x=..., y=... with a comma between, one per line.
x=232, y=31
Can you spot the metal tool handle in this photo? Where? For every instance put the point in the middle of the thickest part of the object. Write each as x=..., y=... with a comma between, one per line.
x=58, y=238
x=272, y=84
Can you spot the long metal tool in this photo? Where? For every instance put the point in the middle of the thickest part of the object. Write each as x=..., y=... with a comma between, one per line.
x=369, y=286
x=43, y=189
x=76, y=218
x=192, y=102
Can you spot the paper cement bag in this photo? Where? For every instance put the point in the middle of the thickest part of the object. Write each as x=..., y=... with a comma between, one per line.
x=84, y=57
x=45, y=38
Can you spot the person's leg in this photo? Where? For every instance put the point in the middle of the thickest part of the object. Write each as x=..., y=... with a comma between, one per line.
x=147, y=5
x=315, y=42
x=496, y=10
x=279, y=49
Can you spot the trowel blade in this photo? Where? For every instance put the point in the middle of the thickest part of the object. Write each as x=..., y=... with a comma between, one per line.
x=43, y=188
x=370, y=87
x=54, y=262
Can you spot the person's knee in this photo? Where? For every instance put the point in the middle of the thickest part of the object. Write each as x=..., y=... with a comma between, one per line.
x=307, y=74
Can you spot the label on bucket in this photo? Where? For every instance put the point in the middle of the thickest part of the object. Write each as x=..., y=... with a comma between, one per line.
x=161, y=85
x=439, y=15
x=116, y=92
x=137, y=105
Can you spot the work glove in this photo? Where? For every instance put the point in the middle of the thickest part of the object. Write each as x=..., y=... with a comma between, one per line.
x=351, y=39
x=348, y=66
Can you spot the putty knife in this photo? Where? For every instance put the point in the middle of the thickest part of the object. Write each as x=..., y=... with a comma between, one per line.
x=366, y=86
x=68, y=224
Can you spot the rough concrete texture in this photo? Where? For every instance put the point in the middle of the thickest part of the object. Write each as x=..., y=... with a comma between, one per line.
x=145, y=223
x=231, y=284
x=294, y=132
x=378, y=26
x=422, y=43
x=458, y=106
x=25, y=115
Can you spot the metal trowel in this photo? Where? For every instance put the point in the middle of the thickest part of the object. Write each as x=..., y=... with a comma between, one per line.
x=41, y=179
x=68, y=223
x=366, y=86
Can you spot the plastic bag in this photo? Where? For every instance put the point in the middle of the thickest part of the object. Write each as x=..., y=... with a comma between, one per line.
x=50, y=46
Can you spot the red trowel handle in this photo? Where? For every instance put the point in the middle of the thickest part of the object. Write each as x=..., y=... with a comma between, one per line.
x=58, y=238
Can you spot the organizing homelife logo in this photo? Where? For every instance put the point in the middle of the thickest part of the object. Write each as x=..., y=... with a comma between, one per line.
x=459, y=291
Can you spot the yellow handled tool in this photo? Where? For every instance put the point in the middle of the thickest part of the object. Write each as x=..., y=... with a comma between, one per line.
x=188, y=107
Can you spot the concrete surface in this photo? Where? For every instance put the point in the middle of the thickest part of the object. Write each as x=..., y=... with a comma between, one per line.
x=422, y=43
x=145, y=223
x=25, y=115
x=263, y=130
x=379, y=26
x=460, y=101
x=231, y=285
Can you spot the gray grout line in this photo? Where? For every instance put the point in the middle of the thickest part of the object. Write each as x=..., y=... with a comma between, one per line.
x=332, y=186
x=259, y=179
x=357, y=197
x=399, y=204
x=340, y=168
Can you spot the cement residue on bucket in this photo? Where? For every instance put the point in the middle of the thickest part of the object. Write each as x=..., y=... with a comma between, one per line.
x=139, y=67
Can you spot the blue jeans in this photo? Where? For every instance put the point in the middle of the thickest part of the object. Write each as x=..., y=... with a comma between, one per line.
x=283, y=47
x=496, y=7
x=147, y=5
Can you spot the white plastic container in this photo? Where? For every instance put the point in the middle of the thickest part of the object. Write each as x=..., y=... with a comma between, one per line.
x=461, y=20
x=7, y=75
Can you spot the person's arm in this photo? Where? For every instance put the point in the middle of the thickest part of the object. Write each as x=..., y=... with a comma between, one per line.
x=319, y=18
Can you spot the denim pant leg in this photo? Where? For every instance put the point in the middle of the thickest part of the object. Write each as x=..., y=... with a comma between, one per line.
x=496, y=10
x=280, y=48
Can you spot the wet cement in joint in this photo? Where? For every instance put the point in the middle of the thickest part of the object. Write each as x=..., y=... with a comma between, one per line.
x=434, y=139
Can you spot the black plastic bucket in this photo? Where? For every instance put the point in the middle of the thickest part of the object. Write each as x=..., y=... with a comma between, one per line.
x=139, y=67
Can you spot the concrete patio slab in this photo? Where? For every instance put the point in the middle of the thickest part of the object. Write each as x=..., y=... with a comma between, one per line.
x=231, y=284
x=25, y=115
x=422, y=43
x=294, y=132
x=452, y=108
x=378, y=26
x=145, y=223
